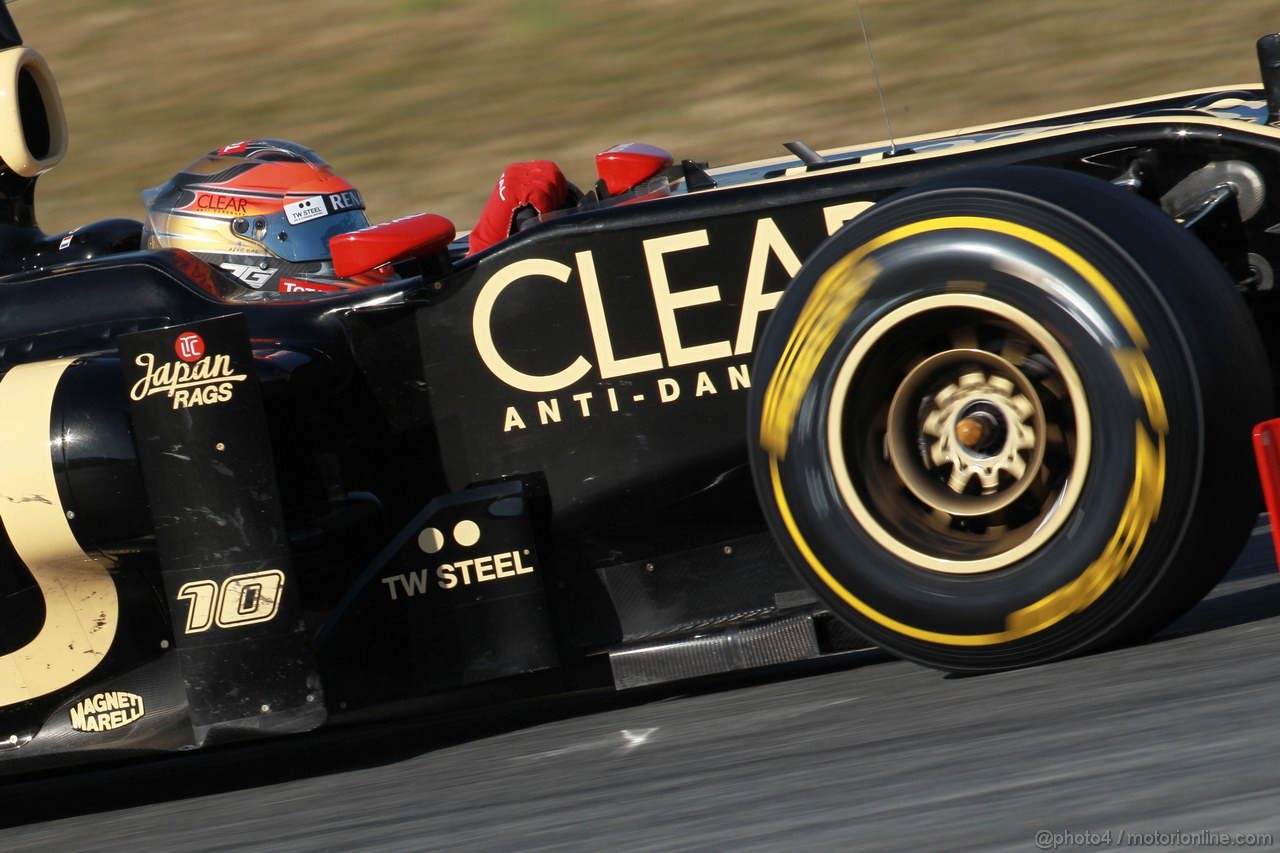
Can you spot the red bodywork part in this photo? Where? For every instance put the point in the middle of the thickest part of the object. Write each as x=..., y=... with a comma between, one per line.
x=196, y=270
x=414, y=236
x=625, y=166
x=538, y=184
x=1266, y=446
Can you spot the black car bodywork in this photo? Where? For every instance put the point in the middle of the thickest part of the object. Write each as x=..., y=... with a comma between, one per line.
x=531, y=460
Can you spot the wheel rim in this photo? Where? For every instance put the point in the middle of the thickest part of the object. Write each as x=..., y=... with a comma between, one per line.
x=984, y=421
x=965, y=447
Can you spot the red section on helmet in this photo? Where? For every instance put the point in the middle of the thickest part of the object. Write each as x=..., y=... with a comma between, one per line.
x=625, y=166
x=415, y=236
x=538, y=184
x=266, y=187
x=279, y=177
x=321, y=184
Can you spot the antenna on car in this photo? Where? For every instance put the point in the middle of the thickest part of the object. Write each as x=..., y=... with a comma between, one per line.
x=876, y=76
x=1269, y=62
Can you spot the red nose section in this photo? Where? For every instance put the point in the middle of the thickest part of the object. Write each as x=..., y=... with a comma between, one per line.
x=414, y=236
x=1266, y=446
x=625, y=166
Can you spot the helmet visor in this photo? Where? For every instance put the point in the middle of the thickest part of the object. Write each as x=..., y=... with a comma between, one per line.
x=308, y=240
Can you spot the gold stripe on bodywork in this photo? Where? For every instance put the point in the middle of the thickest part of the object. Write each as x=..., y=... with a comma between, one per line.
x=82, y=609
x=964, y=144
x=1032, y=124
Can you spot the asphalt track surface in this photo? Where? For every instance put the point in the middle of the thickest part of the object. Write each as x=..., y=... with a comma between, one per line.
x=1179, y=735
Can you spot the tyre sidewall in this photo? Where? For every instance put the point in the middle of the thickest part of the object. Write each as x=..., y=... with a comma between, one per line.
x=1103, y=327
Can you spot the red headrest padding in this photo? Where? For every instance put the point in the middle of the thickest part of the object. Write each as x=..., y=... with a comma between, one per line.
x=538, y=184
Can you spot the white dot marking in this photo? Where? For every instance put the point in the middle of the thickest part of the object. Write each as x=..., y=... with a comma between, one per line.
x=430, y=540
x=466, y=533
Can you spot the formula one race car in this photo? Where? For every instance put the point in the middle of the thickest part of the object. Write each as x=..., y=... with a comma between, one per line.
x=983, y=399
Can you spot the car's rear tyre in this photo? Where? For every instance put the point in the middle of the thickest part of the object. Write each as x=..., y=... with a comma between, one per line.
x=1005, y=418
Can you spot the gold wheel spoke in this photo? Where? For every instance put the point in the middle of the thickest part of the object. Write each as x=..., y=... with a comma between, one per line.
x=1022, y=406
x=1014, y=351
x=934, y=423
x=938, y=454
x=1017, y=467
x=959, y=478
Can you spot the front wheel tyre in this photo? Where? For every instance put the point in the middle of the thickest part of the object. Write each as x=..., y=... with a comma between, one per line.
x=1005, y=418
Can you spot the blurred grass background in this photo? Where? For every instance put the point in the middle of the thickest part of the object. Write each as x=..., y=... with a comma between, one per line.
x=422, y=102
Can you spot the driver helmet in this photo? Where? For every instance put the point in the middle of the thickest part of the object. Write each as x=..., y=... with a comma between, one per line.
x=262, y=211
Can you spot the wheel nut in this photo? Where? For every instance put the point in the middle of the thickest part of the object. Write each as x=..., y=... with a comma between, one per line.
x=969, y=431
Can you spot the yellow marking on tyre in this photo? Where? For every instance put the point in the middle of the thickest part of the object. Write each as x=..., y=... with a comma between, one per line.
x=1143, y=386
x=853, y=601
x=833, y=299
x=1139, y=512
x=1141, y=508
x=80, y=602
